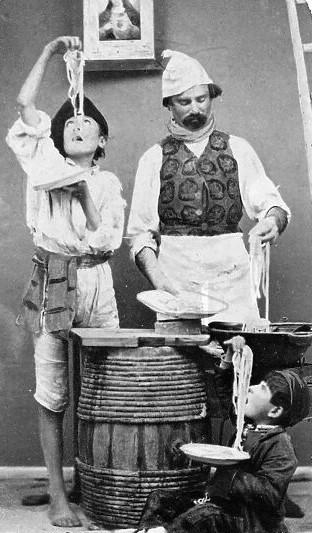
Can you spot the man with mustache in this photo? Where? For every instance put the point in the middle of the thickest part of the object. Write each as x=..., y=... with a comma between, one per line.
x=189, y=195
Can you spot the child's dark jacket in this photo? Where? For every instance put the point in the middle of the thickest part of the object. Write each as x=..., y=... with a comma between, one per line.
x=245, y=498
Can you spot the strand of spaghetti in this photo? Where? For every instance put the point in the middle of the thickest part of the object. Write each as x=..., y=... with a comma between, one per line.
x=242, y=379
x=259, y=259
x=266, y=279
x=255, y=264
x=75, y=61
x=242, y=363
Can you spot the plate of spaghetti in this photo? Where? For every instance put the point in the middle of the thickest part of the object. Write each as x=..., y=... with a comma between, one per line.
x=214, y=454
x=185, y=305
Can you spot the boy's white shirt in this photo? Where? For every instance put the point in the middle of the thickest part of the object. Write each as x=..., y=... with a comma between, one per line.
x=55, y=218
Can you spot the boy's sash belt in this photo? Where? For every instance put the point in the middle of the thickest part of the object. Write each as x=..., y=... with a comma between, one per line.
x=49, y=301
x=41, y=258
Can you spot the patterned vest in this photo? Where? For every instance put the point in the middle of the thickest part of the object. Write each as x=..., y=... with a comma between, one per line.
x=199, y=196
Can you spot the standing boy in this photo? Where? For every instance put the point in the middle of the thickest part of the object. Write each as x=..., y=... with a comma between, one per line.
x=75, y=230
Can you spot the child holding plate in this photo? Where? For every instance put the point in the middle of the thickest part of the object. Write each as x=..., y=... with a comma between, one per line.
x=75, y=213
x=249, y=495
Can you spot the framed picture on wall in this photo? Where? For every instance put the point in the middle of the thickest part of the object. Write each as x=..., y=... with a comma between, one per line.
x=119, y=34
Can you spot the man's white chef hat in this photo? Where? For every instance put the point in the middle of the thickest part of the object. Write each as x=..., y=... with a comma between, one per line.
x=181, y=73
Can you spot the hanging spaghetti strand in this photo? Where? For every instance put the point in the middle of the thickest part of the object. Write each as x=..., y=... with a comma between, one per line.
x=266, y=279
x=75, y=61
x=259, y=260
x=242, y=363
x=256, y=265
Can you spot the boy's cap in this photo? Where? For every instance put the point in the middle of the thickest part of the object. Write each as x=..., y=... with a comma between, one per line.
x=65, y=112
x=295, y=389
x=181, y=73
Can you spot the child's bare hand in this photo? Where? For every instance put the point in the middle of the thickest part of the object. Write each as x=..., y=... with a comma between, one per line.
x=236, y=344
x=78, y=190
x=64, y=43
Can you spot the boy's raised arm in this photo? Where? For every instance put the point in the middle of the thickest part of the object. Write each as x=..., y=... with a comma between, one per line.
x=224, y=377
x=29, y=91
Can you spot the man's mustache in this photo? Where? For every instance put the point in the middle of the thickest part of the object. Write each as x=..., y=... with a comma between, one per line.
x=195, y=118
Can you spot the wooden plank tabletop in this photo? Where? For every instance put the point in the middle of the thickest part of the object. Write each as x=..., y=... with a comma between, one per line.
x=132, y=338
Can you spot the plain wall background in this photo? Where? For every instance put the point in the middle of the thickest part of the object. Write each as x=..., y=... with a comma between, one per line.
x=245, y=45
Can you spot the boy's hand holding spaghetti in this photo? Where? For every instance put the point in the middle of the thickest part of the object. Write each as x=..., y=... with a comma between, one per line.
x=60, y=45
x=234, y=345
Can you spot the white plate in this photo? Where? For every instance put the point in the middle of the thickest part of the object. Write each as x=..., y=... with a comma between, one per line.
x=186, y=306
x=214, y=454
x=63, y=181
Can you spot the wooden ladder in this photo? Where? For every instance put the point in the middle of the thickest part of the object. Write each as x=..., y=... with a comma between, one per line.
x=302, y=78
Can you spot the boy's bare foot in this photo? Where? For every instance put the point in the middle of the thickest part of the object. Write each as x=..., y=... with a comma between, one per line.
x=93, y=526
x=44, y=498
x=60, y=514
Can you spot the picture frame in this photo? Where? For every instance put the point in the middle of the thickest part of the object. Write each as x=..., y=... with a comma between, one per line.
x=119, y=35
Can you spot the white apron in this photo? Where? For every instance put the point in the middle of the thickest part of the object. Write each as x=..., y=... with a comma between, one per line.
x=217, y=265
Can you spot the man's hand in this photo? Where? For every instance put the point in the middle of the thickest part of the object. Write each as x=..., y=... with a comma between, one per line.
x=147, y=263
x=266, y=229
x=62, y=44
x=165, y=285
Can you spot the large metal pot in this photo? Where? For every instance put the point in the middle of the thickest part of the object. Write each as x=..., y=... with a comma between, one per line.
x=283, y=346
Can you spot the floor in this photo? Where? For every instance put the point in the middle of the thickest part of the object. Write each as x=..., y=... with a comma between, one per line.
x=14, y=518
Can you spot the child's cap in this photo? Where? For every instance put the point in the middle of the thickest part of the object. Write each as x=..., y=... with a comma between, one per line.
x=65, y=112
x=291, y=392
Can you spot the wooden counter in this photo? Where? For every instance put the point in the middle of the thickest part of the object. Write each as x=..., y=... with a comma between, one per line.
x=132, y=338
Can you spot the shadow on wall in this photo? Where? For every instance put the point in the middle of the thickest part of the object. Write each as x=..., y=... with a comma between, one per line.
x=128, y=282
x=13, y=338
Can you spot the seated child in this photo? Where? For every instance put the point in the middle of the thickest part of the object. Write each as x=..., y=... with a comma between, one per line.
x=248, y=496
